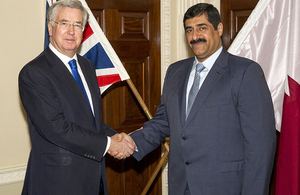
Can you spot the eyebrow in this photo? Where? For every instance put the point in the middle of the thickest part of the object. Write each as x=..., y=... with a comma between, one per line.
x=76, y=22
x=197, y=25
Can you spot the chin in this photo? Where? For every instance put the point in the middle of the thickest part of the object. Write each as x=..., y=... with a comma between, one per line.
x=199, y=51
x=199, y=54
x=68, y=47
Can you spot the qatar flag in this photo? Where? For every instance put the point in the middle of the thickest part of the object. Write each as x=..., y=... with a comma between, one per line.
x=271, y=37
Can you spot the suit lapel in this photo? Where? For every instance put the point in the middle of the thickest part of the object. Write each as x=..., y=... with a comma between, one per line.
x=184, y=77
x=216, y=72
x=93, y=87
x=60, y=71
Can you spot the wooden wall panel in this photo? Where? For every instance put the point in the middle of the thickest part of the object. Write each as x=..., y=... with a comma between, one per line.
x=133, y=29
x=234, y=14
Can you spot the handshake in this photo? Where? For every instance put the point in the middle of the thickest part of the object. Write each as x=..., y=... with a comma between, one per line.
x=121, y=146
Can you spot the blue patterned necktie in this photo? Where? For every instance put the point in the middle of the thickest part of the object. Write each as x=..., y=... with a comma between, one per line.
x=195, y=88
x=76, y=76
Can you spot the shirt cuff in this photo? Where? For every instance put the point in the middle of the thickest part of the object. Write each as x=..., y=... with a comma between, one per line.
x=107, y=145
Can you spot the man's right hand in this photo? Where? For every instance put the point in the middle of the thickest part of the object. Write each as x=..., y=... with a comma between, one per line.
x=122, y=146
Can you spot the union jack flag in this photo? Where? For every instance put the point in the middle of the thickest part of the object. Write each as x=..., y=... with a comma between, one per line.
x=96, y=47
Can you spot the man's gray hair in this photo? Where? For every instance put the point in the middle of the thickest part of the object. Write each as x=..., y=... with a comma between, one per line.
x=53, y=10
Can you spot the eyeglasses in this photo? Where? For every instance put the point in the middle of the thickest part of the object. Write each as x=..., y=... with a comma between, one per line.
x=66, y=25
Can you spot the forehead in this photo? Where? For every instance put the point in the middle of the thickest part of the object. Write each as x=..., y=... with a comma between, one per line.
x=202, y=19
x=69, y=14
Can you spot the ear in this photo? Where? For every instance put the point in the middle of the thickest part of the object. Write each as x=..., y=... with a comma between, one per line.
x=220, y=29
x=50, y=29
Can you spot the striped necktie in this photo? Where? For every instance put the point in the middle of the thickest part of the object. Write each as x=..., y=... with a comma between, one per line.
x=195, y=88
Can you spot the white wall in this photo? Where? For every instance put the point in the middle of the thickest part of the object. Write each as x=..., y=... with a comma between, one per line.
x=21, y=39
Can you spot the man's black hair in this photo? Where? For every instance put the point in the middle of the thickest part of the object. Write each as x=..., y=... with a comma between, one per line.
x=209, y=10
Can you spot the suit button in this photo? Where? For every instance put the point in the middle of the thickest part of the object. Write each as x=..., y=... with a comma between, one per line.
x=184, y=138
x=188, y=163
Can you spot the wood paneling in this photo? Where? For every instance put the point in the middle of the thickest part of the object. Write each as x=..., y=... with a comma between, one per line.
x=238, y=19
x=133, y=29
x=234, y=14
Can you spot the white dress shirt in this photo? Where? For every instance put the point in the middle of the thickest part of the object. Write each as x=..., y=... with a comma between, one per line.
x=208, y=63
x=65, y=59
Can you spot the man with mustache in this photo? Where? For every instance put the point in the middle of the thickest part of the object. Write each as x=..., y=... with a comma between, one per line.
x=217, y=110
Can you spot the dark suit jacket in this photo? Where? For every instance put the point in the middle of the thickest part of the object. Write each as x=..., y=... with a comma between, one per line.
x=67, y=147
x=227, y=144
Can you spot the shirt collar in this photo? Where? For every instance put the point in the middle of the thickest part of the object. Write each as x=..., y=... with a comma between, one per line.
x=209, y=62
x=65, y=59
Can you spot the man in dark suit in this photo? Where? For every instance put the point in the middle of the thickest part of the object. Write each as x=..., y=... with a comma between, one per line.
x=222, y=138
x=69, y=138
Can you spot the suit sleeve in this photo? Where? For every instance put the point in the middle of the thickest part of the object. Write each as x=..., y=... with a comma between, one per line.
x=258, y=126
x=42, y=102
x=155, y=130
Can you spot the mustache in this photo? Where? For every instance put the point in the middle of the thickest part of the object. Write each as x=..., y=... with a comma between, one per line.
x=197, y=41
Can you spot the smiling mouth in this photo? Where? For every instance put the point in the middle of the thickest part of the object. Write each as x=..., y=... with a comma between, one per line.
x=70, y=40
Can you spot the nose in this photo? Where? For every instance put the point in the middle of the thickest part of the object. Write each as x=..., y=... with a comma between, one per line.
x=71, y=29
x=196, y=34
